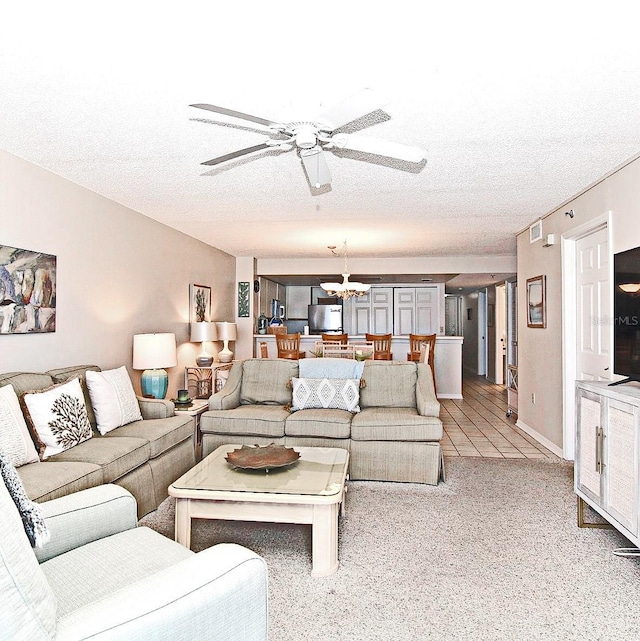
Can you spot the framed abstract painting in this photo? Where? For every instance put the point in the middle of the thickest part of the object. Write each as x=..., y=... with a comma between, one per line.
x=27, y=291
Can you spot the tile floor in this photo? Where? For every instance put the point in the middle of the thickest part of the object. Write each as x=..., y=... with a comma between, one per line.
x=478, y=425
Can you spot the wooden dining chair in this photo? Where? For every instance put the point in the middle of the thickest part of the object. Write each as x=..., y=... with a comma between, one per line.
x=422, y=350
x=289, y=346
x=416, y=341
x=381, y=346
x=264, y=350
x=341, y=339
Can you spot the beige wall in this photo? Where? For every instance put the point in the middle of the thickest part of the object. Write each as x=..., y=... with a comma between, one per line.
x=118, y=273
x=540, y=351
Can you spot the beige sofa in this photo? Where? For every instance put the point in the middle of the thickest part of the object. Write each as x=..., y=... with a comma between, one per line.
x=144, y=457
x=395, y=437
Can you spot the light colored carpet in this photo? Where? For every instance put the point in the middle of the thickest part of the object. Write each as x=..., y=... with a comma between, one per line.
x=492, y=554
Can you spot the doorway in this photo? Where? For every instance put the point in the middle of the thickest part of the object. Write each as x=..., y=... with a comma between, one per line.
x=452, y=315
x=588, y=314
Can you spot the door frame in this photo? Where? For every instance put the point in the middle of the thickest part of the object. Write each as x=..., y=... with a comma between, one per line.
x=500, y=327
x=569, y=322
x=482, y=332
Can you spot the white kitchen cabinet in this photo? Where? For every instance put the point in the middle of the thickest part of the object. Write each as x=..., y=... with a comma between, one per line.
x=416, y=310
x=371, y=313
x=607, y=470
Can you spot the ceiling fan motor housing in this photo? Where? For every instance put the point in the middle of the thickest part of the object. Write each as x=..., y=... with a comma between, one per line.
x=306, y=135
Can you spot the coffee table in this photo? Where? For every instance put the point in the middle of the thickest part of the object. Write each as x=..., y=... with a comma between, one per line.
x=308, y=491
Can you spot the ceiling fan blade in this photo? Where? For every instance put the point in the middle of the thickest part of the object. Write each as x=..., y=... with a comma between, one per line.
x=237, y=154
x=378, y=147
x=315, y=164
x=238, y=114
x=358, y=105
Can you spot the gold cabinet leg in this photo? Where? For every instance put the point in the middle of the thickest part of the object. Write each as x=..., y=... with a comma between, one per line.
x=583, y=523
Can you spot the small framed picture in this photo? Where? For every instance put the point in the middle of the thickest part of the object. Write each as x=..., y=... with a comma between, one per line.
x=243, y=299
x=469, y=313
x=535, y=232
x=536, y=302
x=199, y=303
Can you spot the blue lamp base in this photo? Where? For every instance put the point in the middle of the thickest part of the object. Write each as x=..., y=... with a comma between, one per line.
x=154, y=383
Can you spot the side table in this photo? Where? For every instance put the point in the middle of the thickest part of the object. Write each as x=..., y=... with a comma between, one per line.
x=204, y=381
x=196, y=409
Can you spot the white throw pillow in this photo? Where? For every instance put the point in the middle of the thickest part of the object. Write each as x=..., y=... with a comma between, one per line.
x=326, y=393
x=15, y=440
x=59, y=417
x=113, y=399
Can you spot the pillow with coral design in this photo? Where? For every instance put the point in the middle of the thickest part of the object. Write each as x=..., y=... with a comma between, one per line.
x=58, y=417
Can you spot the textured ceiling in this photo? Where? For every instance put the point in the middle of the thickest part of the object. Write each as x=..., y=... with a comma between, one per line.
x=519, y=107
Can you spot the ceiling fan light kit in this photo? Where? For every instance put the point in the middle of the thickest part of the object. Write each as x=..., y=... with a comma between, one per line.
x=312, y=138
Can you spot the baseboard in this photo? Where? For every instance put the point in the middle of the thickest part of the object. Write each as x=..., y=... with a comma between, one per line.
x=457, y=397
x=552, y=447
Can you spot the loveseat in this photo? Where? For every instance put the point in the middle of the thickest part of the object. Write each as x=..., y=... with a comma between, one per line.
x=144, y=456
x=395, y=435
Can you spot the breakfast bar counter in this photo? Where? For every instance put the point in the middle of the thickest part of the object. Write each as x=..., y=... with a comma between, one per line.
x=448, y=357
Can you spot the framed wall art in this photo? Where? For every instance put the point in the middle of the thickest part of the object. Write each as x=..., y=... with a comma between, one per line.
x=243, y=299
x=27, y=291
x=199, y=303
x=536, y=302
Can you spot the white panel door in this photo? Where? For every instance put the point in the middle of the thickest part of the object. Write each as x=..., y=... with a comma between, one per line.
x=404, y=311
x=381, y=310
x=427, y=310
x=371, y=313
x=593, y=303
x=361, y=320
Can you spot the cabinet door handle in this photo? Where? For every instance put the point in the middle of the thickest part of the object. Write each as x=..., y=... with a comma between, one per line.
x=599, y=450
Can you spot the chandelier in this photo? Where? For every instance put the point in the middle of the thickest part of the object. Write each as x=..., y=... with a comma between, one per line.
x=345, y=289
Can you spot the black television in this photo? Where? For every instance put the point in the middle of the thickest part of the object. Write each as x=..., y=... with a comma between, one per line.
x=626, y=312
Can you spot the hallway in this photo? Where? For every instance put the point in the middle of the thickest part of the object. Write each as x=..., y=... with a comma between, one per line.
x=478, y=425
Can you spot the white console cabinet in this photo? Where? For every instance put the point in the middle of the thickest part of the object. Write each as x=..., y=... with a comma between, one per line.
x=607, y=470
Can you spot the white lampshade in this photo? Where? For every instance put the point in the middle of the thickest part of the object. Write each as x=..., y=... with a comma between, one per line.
x=153, y=351
x=203, y=331
x=226, y=331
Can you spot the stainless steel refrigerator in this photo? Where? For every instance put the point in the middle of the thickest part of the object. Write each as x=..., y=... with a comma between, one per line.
x=325, y=318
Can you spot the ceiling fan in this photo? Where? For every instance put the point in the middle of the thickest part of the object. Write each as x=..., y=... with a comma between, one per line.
x=312, y=138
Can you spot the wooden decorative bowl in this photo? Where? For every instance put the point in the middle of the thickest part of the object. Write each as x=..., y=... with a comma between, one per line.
x=262, y=458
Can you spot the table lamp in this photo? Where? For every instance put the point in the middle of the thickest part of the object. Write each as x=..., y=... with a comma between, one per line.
x=226, y=332
x=152, y=353
x=202, y=332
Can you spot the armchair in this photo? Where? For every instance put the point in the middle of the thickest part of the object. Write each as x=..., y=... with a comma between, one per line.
x=101, y=577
